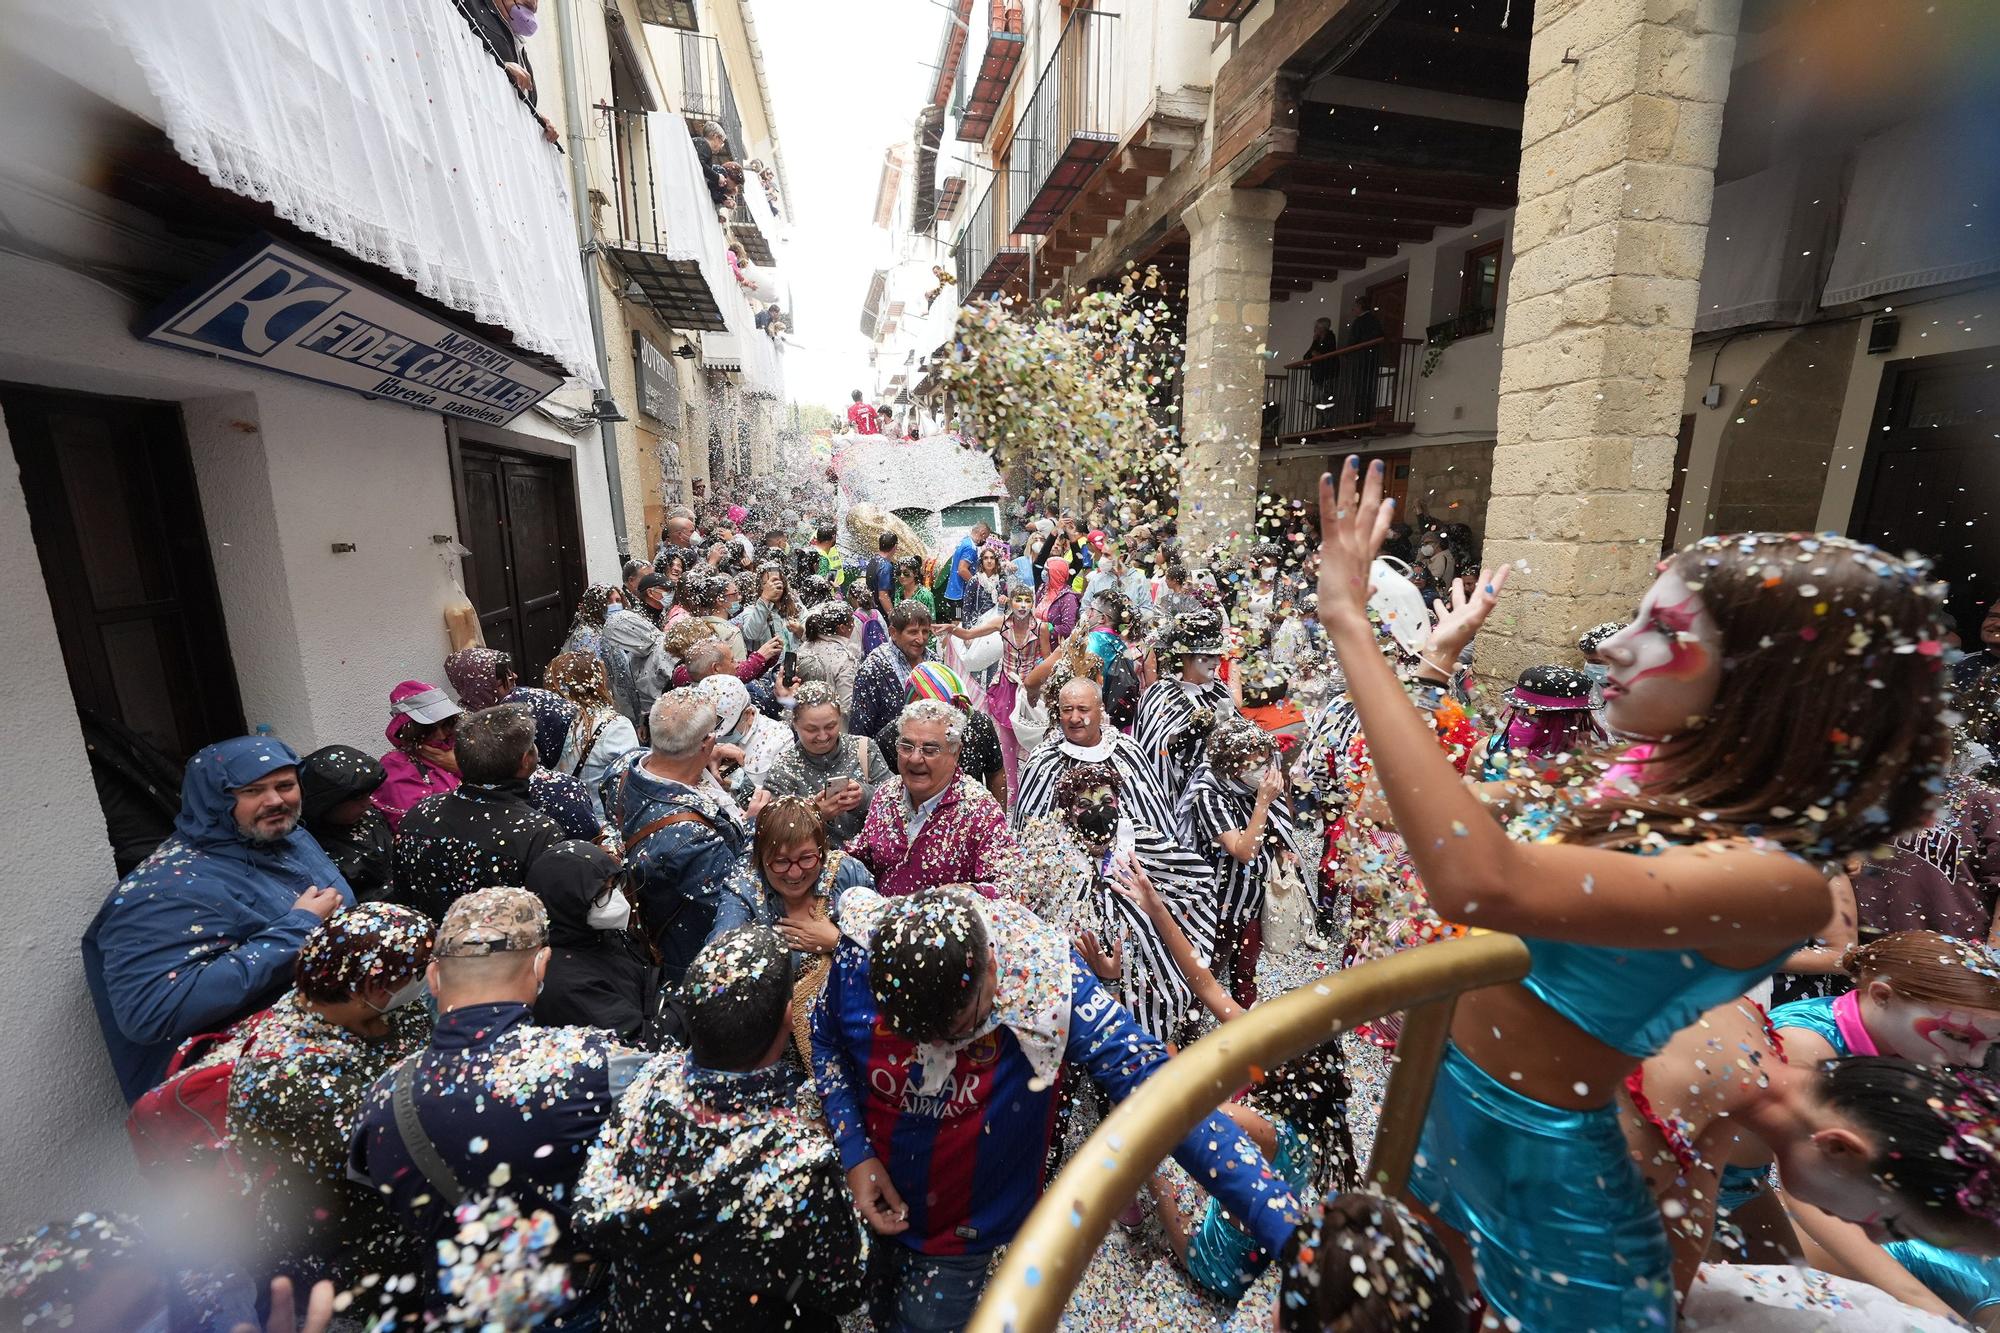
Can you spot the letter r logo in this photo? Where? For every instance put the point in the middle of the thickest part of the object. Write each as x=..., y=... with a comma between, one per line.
x=258, y=308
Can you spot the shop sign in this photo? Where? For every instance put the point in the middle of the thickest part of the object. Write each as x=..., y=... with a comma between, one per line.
x=659, y=385
x=274, y=306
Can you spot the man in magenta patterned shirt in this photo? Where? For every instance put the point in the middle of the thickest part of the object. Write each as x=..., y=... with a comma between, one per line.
x=930, y=825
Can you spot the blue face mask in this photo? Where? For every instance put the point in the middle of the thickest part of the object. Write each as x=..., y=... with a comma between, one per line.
x=522, y=20
x=615, y=609
x=1597, y=671
x=1953, y=656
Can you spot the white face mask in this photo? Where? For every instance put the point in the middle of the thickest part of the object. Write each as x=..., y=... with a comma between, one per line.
x=415, y=989
x=615, y=913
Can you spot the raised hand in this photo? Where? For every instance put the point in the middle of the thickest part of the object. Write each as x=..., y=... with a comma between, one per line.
x=1461, y=617
x=1353, y=521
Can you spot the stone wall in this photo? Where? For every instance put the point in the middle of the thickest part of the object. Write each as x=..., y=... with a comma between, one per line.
x=1452, y=483
x=1619, y=136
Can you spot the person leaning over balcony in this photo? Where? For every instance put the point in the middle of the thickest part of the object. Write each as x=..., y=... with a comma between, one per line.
x=711, y=146
x=504, y=24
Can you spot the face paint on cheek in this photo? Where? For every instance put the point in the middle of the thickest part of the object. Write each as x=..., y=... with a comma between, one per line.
x=1957, y=1038
x=1687, y=658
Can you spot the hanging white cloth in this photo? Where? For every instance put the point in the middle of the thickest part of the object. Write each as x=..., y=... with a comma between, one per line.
x=388, y=130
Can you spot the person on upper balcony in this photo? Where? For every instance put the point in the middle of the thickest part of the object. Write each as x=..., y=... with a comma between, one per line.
x=504, y=24
x=712, y=147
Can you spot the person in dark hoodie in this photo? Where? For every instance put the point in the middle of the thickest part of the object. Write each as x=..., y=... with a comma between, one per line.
x=599, y=975
x=485, y=831
x=716, y=1196
x=335, y=782
x=206, y=930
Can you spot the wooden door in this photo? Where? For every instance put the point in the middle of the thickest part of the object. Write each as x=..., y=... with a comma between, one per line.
x=117, y=524
x=1388, y=299
x=1931, y=480
x=517, y=517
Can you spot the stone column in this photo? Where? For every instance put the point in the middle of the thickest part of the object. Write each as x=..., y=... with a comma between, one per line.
x=1618, y=148
x=1222, y=388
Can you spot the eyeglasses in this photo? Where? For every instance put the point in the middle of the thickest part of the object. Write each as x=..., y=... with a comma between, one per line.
x=793, y=864
x=614, y=884
x=929, y=749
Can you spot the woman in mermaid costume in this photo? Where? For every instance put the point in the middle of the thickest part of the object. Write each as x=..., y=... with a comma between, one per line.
x=1790, y=688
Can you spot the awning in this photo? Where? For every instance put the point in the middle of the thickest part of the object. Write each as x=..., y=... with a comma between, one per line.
x=1923, y=208
x=391, y=134
x=1768, y=236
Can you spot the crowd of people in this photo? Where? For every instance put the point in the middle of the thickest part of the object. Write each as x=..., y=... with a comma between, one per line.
x=760, y=965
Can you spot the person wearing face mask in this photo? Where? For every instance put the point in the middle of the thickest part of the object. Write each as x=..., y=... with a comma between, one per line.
x=492, y=1089
x=1176, y=715
x=599, y=601
x=599, y=975
x=1065, y=872
x=1088, y=737
x=1548, y=716
x=1024, y=645
x=747, y=743
x=352, y=1013
x=1868, y=1150
x=423, y=760
x=1238, y=817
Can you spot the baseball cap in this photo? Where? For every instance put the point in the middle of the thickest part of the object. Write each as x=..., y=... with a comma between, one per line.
x=496, y=920
x=421, y=702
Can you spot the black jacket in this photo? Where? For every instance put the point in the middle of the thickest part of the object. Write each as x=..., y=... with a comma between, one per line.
x=469, y=838
x=596, y=978
x=327, y=777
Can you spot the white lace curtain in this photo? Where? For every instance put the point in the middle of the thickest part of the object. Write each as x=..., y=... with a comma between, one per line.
x=386, y=129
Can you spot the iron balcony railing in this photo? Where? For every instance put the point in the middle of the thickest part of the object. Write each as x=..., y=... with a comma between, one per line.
x=705, y=91
x=1066, y=133
x=1469, y=324
x=638, y=240
x=976, y=244
x=1366, y=389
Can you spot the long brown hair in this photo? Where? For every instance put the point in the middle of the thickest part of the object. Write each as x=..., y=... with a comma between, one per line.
x=1827, y=733
x=1928, y=967
x=579, y=678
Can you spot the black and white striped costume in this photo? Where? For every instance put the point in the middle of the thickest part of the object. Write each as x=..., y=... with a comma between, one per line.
x=1214, y=805
x=1139, y=790
x=1067, y=887
x=1166, y=731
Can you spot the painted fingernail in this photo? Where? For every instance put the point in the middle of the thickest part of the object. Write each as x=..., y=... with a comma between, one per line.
x=1389, y=503
x=1375, y=466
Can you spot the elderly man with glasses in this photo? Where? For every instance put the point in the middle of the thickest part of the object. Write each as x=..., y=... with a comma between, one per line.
x=931, y=825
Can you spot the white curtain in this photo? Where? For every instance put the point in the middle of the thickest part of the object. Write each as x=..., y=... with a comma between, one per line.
x=1767, y=245
x=693, y=232
x=386, y=129
x=1923, y=208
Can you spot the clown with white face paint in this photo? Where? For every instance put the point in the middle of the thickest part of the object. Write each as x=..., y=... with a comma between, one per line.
x=1792, y=692
x=1917, y=995
x=1868, y=1150
x=1663, y=668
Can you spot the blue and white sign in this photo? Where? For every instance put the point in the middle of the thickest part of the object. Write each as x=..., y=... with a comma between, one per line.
x=273, y=306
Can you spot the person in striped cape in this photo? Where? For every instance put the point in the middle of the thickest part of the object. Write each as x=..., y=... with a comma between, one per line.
x=1064, y=870
x=1238, y=817
x=1176, y=715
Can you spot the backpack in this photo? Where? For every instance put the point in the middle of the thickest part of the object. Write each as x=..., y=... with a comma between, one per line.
x=183, y=1122
x=1121, y=691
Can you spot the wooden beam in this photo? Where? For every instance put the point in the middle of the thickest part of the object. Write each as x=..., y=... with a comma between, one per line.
x=1292, y=40
x=1375, y=228
x=1495, y=191
x=1153, y=162
x=1295, y=243
x=1332, y=210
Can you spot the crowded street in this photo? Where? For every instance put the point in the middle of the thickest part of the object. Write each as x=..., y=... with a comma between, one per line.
x=1001, y=665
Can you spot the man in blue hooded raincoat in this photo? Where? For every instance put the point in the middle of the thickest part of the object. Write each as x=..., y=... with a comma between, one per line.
x=205, y=930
